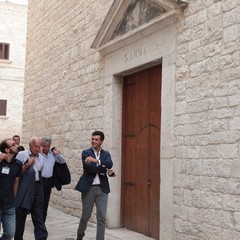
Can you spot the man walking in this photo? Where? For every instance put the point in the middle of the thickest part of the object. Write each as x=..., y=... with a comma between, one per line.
x=50, y=158
x=30, y=194
x=10, y=170
x=94, y=185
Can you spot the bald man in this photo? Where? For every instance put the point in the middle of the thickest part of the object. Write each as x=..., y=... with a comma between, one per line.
x=30, y=195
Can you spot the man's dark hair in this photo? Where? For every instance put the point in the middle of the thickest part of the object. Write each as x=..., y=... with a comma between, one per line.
x=15, y=136
x=4, y=145
x=99, y=133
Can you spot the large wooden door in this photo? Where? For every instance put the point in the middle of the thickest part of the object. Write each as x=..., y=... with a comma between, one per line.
x=141, y=151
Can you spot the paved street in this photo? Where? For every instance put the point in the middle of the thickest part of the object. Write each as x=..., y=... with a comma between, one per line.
x=62, y=226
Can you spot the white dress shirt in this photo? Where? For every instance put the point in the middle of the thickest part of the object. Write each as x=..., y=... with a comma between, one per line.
x=96, y=180
x=49, y=161
x=23, y=156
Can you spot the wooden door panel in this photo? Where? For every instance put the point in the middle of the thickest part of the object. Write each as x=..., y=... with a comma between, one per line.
x=141, y=151
x=142, y=187
x=154, y=142
x=130, y=99
x=142, y=101
x=129, y=183
x=129, y=163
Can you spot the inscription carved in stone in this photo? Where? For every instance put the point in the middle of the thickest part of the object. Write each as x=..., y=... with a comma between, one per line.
x=136, y=53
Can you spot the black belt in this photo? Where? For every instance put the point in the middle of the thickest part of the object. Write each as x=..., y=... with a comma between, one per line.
x=97, y=185
x=46, y=178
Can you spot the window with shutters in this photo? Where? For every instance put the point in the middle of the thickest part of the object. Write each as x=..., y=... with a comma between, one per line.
x=3, y=107
x=4, y=51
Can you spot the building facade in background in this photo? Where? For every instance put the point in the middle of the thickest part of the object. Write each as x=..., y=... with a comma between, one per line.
x=13, y=18
x=161, y=79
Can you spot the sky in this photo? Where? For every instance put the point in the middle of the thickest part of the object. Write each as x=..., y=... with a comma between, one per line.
x=24, y=2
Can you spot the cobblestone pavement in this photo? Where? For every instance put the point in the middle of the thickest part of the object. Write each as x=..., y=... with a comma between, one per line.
x=62, y=226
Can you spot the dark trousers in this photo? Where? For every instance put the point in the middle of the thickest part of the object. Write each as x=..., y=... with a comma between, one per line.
x=40, y=231
x=47, y=186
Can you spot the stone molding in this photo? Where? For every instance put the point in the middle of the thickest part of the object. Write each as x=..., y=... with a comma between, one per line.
x=5, y=61
x=105, y=45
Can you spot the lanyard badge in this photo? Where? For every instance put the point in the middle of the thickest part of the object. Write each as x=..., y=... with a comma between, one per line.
x=5, y=170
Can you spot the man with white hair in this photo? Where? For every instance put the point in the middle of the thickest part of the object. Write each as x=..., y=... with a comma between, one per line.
x=50, y=158
x=30, y=194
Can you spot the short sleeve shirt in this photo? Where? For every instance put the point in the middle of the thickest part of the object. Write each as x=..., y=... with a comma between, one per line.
x=8, y=174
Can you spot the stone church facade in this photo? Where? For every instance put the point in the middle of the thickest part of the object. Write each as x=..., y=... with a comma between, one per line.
x=161, y=79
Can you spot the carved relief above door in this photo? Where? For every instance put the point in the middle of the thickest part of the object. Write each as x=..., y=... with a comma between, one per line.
x=128, y=21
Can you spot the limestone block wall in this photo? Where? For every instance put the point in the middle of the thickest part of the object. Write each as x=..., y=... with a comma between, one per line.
x=207, y=129
x=13, y=18
x=64, y=89
x=64, y=99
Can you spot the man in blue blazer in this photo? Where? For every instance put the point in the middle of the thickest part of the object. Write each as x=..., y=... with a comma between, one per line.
x=94, y=185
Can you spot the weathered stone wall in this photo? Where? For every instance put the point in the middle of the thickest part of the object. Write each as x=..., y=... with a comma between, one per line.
x=64, y=90
x=207, y=129
x=13, y=19
x=64, y=99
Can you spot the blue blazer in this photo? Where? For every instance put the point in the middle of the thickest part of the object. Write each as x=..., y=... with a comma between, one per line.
x=91, y=169
x=26, y=190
